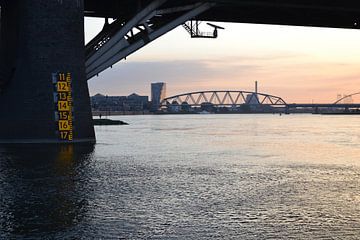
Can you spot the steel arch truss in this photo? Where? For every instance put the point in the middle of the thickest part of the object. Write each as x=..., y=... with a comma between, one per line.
x=222, y=99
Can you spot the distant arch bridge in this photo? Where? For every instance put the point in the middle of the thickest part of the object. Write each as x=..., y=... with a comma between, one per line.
x=223, y=99
x=346, y=97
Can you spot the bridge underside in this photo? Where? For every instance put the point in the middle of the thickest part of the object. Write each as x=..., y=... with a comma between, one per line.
x=137, y=23
x=317, y=13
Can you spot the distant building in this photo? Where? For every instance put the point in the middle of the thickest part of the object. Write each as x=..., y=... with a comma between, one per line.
x=133, y=102
x=137, y=102
x=252, y=99
x=158, y=93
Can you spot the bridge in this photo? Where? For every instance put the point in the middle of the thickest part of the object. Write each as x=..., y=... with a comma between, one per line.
x=347, y=97
x=242, y=101
x=217, y=99
x=339, y=104
x=323, y=105
x=44, y=63
x=317, y=107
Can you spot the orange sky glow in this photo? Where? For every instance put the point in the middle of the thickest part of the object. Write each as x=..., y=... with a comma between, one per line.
x=296, y=63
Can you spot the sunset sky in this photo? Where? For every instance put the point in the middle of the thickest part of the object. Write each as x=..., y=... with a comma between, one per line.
x=296, y=63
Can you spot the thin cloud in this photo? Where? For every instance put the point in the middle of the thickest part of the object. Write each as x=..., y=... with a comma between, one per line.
x=284, y=75
x=127, y=77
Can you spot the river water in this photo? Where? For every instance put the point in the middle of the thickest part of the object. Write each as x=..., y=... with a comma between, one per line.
x=189, y=177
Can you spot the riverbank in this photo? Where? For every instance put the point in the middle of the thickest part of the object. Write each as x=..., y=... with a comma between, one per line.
x=119, y=113
x=107, y=122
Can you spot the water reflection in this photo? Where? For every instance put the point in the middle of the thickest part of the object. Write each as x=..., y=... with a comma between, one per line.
x=43, y=188
x=189, y=177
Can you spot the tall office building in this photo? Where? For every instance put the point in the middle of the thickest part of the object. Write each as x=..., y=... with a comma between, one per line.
x=158, y=93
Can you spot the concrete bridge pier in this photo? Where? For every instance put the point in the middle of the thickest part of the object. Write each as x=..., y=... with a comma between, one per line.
x=44, y=96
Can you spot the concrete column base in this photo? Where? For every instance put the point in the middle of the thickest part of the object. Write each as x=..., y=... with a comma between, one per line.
x=40, y=38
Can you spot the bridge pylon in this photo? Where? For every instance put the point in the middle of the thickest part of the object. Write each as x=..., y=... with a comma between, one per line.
x=44, y=96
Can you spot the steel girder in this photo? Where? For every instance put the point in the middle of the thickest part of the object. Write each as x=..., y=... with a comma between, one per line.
x=316, y=13
x=120, y=39
x=223, y=98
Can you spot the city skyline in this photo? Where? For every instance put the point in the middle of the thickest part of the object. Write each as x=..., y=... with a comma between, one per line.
x=299, y=64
